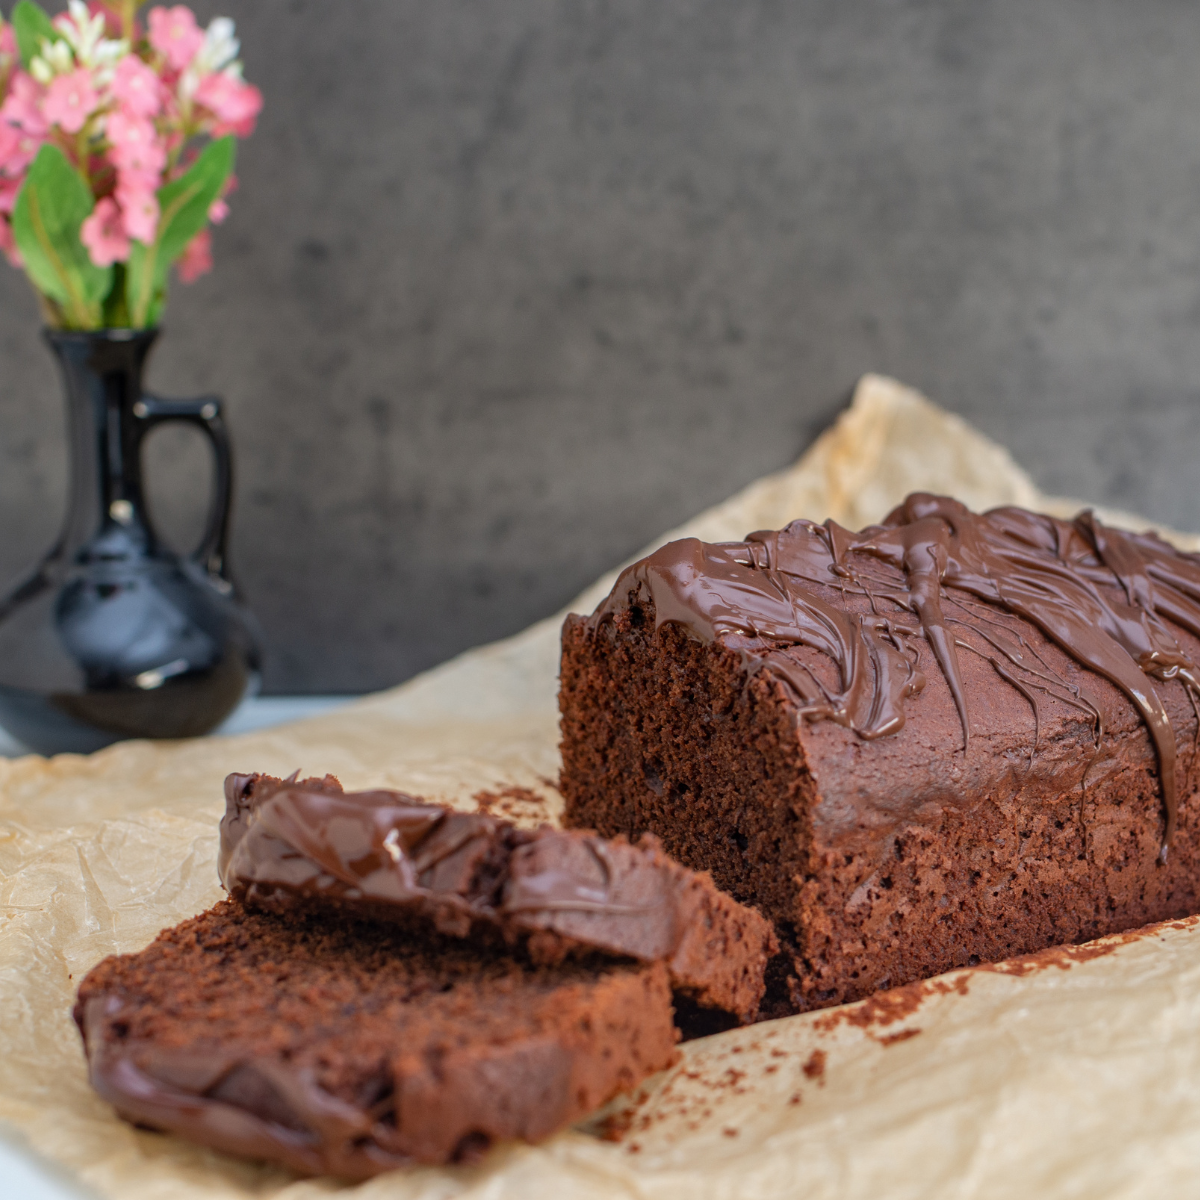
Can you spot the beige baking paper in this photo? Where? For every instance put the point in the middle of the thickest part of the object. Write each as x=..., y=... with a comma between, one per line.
x=1074, y=1077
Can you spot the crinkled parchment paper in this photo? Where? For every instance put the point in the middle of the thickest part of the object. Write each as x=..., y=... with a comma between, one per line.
x=1073, y=1073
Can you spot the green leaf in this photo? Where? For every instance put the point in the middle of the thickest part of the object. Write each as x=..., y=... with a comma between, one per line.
x=32, y=26
x=183, y=205
x=116, y=314
x=52, y=205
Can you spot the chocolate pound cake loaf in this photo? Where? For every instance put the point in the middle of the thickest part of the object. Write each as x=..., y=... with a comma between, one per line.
x=945, y=739
x=289, y=846
x=347, y=1048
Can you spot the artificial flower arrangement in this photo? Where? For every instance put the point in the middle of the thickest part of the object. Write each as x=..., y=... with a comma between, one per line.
x=116, y=152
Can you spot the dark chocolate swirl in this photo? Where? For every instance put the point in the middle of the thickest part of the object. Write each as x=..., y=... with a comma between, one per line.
x=1107, y=597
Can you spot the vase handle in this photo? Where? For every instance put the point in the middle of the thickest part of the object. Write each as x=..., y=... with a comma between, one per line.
x=205, y=412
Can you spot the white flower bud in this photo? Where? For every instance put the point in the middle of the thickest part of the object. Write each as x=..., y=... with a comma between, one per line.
x=58, y=57
x=109, y=52
x=220, y=46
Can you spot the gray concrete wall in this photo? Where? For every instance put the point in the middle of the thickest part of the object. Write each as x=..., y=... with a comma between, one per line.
x=511, y=286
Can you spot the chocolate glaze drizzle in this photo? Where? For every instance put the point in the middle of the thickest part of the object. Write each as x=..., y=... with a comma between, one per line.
x=1103, y=595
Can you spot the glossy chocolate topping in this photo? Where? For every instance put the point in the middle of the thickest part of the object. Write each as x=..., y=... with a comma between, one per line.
x=936, y=571
x=289, y=845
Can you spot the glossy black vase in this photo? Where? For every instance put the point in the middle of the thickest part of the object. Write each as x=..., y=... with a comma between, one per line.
x=114, y=635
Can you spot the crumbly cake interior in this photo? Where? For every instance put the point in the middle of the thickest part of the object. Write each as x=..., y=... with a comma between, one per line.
x=328, y=991
x=661, y=734
x=434, y=1047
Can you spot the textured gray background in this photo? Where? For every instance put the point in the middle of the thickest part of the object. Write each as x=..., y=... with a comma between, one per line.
x=509, y=287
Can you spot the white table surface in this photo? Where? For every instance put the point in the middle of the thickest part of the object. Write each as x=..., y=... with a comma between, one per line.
x=23, y=1175
x=259, y=713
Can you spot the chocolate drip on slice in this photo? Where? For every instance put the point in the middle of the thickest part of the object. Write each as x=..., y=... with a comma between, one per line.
x=313, y=841
x=1104, y=596
x=291, y=846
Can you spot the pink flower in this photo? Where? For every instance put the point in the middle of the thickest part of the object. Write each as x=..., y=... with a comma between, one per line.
x=137, y=183
x=128, y=129
x=17, y=149
x=235, y=103
x=219, y=209
x=23, y=105
x=8, y=194
x=8, y=244
x=104, y=235
x=69, y=101
x=140, y=209
x=175, y=35
x=196, y=260
x=134, y=145
x=8, y=43
x=135, y=85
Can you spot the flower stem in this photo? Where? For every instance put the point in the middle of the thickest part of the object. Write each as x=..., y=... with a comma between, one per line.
x=116, y=309
x=82, y=156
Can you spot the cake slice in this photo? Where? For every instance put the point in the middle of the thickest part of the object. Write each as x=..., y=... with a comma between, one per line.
x=290, y=846
x=335, y=1046
x=945, y=739
x=393, y=982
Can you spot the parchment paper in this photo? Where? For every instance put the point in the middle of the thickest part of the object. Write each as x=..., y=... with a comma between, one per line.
x=1072, y=1074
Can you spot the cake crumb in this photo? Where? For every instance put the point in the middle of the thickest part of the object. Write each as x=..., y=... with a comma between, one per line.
x=520, y=805
x=886, y=1008
x=615, y=1126
x=814, y=1067
x=890, y=1039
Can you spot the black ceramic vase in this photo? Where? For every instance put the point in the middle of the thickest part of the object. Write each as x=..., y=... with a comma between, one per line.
x=114, y=635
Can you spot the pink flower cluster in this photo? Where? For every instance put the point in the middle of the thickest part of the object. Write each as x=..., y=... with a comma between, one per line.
x=124, y=102
x=17, y=148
